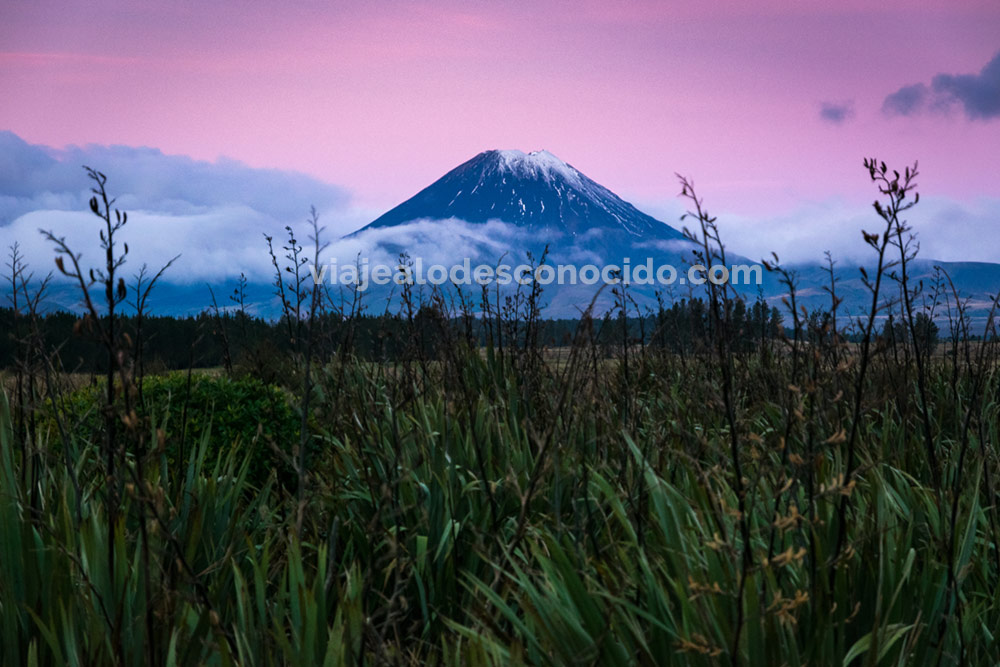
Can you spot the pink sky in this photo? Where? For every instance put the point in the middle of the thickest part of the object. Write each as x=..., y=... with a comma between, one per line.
x=383, y=98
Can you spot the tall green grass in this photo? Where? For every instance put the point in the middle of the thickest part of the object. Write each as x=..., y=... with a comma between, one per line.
x=483, y=521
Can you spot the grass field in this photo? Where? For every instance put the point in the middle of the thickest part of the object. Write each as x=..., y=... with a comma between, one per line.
x=519, y=512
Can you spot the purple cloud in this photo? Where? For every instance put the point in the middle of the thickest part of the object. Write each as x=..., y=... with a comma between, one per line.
x=906, y=101
x=836, y=112
x=977, y=94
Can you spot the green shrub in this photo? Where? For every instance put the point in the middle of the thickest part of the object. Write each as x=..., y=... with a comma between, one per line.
x=244, y=413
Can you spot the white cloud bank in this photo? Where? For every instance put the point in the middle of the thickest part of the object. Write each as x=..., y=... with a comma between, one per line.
x=212, y=213
x=947, y=230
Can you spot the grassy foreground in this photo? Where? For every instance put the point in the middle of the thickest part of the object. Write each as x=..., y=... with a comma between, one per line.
x=503, y=512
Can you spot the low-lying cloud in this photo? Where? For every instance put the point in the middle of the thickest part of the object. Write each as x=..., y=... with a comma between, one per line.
x=977, y=94
x=214, y=214
x=947, y=229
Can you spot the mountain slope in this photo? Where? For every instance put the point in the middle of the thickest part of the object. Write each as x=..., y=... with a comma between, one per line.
x=536, y=191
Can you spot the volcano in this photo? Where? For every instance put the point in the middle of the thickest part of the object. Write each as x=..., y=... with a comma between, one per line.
x=535, y=191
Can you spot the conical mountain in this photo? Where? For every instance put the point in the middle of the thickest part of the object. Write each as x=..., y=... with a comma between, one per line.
x=535, y=191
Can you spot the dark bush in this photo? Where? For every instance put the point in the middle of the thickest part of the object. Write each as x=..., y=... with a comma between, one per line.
x=244, y=411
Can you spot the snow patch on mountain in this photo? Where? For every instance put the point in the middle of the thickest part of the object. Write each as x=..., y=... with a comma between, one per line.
x=537, y=165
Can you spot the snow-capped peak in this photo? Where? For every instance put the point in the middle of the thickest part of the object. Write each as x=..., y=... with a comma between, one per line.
x=535, y=190
x=536, y=164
